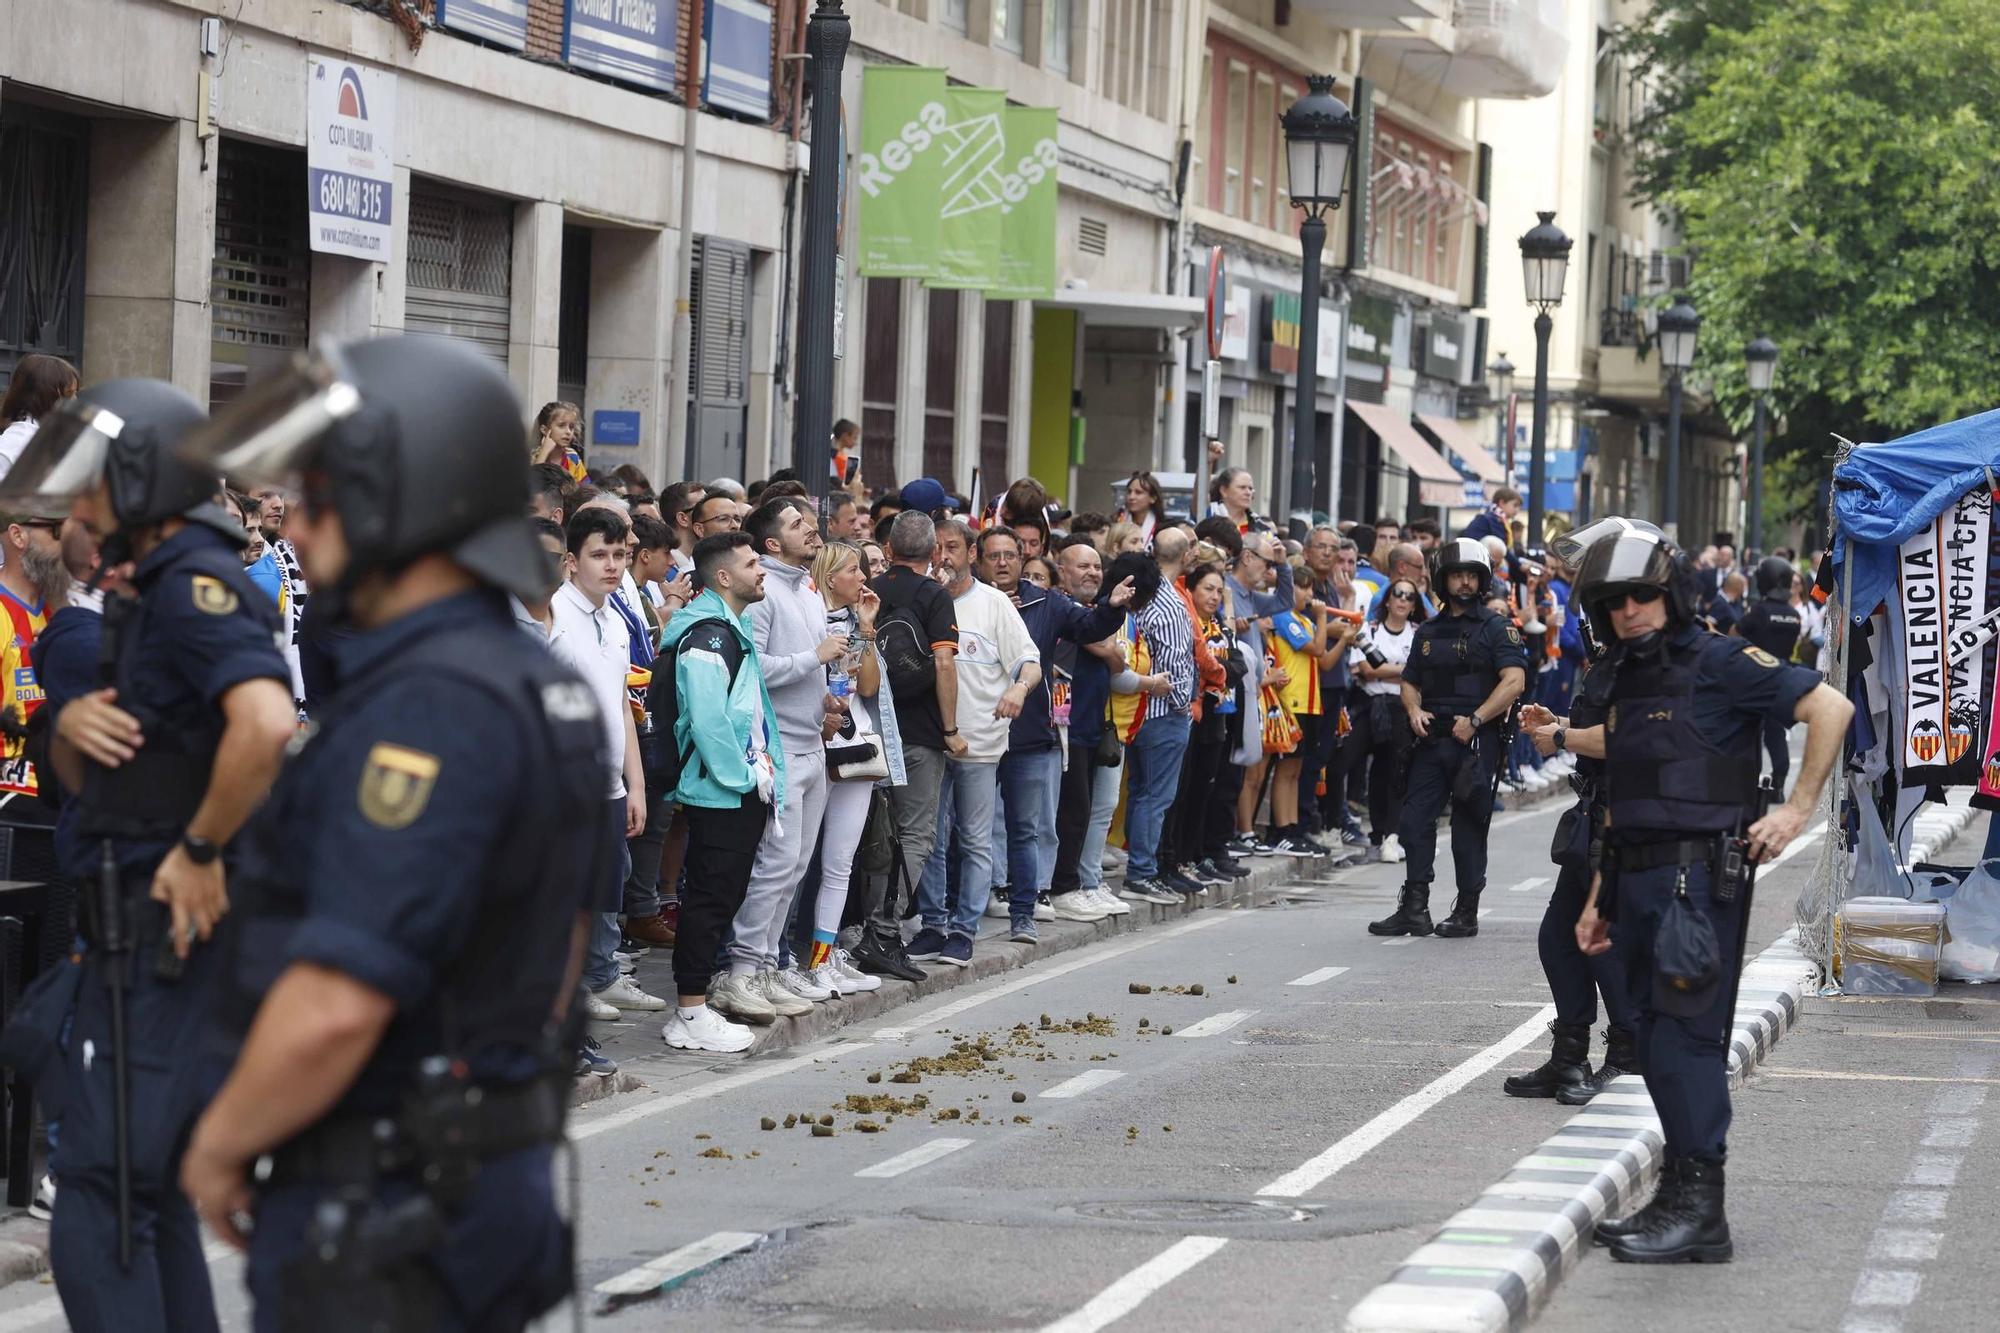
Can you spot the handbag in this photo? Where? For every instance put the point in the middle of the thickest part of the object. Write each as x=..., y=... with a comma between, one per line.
x=1282, y=732
x=859, y=758
x=1110, y=750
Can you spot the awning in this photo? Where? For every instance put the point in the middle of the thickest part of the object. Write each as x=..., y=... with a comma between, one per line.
x=1128, y=310
x=1438, y=482
x=1456, y=436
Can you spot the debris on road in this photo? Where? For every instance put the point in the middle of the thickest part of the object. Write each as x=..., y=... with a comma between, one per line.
x=1138, y=988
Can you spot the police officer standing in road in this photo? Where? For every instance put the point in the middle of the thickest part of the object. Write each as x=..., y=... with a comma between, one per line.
x=1682, y=830
x=409, y=935
x=165, y=763
x=1467, y=667
x=1774, y=624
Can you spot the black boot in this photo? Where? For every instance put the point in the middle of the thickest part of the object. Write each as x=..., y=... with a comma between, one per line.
x=1412, y=915
x=885, y=958
x=1610, y=1231
x=1463, y=923
x=1621, y=1057
x=1692, y=1230
x=1568, y=1064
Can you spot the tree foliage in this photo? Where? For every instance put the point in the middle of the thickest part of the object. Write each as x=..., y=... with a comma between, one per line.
x=1835, y=169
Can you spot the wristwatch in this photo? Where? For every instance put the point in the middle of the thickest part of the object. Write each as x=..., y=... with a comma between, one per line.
x=1562, y=739
x=200, y=850
x=951, y=731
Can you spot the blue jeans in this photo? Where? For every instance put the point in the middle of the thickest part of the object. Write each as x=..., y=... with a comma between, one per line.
x=966, y=802
x=1103, y=807
x=1028, y=778
x=1155, y=758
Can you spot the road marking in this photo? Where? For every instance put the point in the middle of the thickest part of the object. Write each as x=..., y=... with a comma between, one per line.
x=1314, y=978
x=1125, y=1295
x=1082, y=1083
x=1528, y=885
x=1548, y=808
x=1215, y=1023
x=653, y=1106
x=913, y=1159
x=1038, y=974
x=1398, y=941
x=676, y=1266
x=1346, y=1151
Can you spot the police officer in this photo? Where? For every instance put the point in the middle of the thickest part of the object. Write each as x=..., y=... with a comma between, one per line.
x=1576, y=980
x=1680, y=744
x=1467, y=667
x=164, y=764
x=411, y=894
x=1775, y=625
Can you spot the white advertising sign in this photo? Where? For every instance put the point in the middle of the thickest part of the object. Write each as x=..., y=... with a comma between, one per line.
x=1328, y=364
x=1236, y=325
x=350, y=162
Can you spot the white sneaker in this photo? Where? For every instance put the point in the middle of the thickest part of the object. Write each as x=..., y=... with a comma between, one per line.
x=1392, y=850
x=800, y=983
x=1110, y=904
x=1077, y=906
x=625, y=994
x=706, y=1031
x=1113, y=859
x=996, y=907
x=782, y=1001
x=603, y=1010
x=828, y=978
x=737, y=997
x=43, y=1205
x=1044, y=909
x=854, y=977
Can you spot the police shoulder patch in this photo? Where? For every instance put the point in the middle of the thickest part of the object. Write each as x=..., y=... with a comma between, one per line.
x=1760, y=657
x=214, y=597
x=1513, y=634
x=396, y=785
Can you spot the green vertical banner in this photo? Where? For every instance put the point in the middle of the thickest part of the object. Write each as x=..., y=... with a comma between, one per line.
x=1028, y=205
x=899, y=171
x=975, y=147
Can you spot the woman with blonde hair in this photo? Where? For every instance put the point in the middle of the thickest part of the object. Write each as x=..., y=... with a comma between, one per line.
x=1121, y=538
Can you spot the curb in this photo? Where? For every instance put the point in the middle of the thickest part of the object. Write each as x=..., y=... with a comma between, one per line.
x=1494, y=1265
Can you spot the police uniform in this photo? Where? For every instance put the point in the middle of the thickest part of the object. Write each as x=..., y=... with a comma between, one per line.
x=1681, y=771
x=434, y=841
x=1775, y=625
x=1575, y=978
x=1455, y=664
x=199, y=628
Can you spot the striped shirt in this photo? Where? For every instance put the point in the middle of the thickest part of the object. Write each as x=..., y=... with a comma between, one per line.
x=1170, y=638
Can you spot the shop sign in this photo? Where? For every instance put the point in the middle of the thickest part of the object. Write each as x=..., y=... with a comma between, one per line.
x=899, y=171
x=1236, y=324
x=350, y=161
x=1281, y=333
x=614, y=428
x=737, y=46
x=1443, y=342
x=502, y=22
x=631, y=41
x=1328, y=365
x=1371, y=330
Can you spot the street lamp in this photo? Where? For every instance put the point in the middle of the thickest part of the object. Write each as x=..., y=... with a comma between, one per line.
x=1544, y=265
x=1679, y=325
x=1501, y=372
x=1319, y=140
x=1760, y=363
x=812, y=421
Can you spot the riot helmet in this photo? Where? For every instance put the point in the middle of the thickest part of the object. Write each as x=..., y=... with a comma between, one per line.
x=1572, y=545
x=1774, y=577
x=1456, y=554
x=414, y=442
x=125, y=434
x=1634, y=561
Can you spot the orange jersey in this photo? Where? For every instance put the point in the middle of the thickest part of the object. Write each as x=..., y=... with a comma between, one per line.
x=19, y=690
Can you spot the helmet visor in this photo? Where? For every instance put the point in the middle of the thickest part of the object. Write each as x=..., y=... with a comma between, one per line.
x=63, y=459
x=265, y=436
x=1631, y=559
x=1573, y=546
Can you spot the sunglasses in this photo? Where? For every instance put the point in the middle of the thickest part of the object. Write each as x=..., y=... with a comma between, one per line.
x=45, y=524
x=1407, y=594
x=1639, y=596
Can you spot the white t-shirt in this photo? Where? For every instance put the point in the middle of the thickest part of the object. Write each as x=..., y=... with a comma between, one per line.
x=1395, y=647
x=593, y=641
x=993, y=642
x=12, y=441
x=860, y=711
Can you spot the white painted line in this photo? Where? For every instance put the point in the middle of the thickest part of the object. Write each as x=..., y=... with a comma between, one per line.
x=676, y=1266
x=1485, y=911
x=913, y=1159
x=1314, y=978
x=1546, y=808
x=1934, y=1168
x=1878, y=1286
x=1951, y=1132
x=1125, y=1295
x=1215, y=1023
x=1038, y=974
x=1528, y=885
x=1799, y=844
x=1915, y=1206
x=1399, y=941
x=653, y=1106
x=1082, y=1083
x=1904, y=1246
x=1346, y=1151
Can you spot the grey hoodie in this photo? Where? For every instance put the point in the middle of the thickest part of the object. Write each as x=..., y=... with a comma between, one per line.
x=788, y=627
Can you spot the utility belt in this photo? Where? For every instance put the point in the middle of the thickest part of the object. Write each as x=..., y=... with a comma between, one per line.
x=1634, y=858
x=441, y=1139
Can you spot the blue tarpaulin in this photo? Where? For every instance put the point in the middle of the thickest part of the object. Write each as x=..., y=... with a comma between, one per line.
x=1883, y=493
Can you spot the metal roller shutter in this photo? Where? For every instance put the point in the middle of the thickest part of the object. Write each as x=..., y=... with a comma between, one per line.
x=721, y=356
x=261, y=281
x=461, y=259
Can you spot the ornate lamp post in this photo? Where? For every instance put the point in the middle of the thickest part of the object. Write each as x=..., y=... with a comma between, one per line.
x=1679, y=326
x=1319, y=141
x=812, y=421
x=1760, y=363
x=1544, y=266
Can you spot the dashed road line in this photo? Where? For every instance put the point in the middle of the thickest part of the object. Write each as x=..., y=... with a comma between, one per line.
x=1314, y=978
x=675, y=1267
x=1528, y=885
x=1215, y=1023
x=914, y=1158
x=1128, y=1292
x=1082, y=1083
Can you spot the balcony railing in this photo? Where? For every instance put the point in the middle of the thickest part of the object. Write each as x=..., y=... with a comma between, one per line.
x=1620, y=328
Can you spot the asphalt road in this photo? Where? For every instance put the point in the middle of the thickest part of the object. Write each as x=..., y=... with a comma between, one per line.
x=1267, y=1163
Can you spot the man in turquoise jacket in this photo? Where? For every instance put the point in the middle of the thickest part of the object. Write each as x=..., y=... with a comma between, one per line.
x=732, y=776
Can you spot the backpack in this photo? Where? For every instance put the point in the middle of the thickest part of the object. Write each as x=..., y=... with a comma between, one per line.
x=905, y=650
x=663, y=759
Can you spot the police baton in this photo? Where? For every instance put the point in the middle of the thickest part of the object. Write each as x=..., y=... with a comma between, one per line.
x=1739, y=850
x=1507, y=730
x=115, y=943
